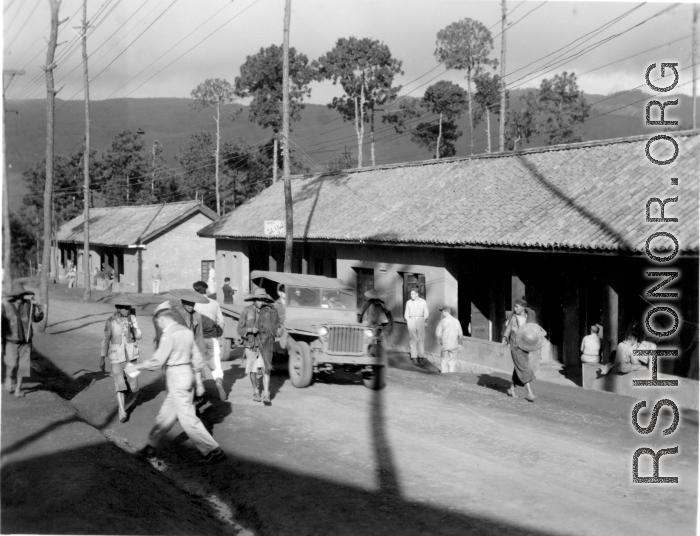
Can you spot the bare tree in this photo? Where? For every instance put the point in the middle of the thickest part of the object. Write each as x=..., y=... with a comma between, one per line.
x=48, y=186
x=215, y=93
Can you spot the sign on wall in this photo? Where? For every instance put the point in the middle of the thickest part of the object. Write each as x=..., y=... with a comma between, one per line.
x=274, y=228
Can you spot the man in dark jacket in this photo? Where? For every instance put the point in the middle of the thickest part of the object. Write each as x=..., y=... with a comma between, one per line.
x=258, y=326
x=18, y=313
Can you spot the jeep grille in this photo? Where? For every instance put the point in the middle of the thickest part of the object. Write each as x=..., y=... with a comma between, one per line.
x=342, y=340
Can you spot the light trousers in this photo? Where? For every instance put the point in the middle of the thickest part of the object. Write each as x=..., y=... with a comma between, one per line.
x=156, y=286
x=449, y=360
x=416, y=332
x=18, y=357
x=178, y=406
x=212, y=357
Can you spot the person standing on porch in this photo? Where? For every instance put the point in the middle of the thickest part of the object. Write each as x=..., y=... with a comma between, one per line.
x=522, y=372
x=449, y=335
x=18, y=313
x=416, y=316
x=590, y=347
x=155, y=278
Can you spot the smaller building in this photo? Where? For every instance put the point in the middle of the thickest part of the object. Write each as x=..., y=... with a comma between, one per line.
x=133, y=239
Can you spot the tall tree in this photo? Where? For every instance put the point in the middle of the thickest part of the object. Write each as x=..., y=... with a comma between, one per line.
x=562, y=109
x=261, y=80
x=366, y=71
x=125, y=169
x=488, y=97
x=217, y=94
x=449, y=101
x=521, y=125
x=466, y=45
x=197, y=159
x=48, y=186
x=441, y=141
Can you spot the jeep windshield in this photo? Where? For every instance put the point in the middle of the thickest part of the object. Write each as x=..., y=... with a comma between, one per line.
x=320, y=298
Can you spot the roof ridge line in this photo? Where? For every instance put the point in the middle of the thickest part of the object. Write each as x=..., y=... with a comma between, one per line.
x=505, y=154
x=149, y=205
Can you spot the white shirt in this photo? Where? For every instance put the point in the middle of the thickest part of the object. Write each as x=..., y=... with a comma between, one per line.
x=417, y=308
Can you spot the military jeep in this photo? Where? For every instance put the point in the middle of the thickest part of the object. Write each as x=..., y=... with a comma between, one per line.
x=321, y=333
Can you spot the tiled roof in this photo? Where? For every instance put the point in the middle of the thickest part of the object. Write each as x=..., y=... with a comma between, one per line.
x=585, y=196
x=124, y=226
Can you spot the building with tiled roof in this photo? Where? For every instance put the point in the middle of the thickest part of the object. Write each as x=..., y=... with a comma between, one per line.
x=564, y=226
x=133, y=239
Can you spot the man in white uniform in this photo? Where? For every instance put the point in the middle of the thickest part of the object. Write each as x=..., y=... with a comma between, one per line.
x=449, y=335
x=417, y=319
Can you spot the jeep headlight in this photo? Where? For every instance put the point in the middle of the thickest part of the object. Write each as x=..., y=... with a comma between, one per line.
x=323, y=331
x=369, y=333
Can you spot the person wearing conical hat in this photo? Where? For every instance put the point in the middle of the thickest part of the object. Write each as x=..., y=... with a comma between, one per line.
x=258, y=326
x=119, y=343
x=212, y=328
x=18, y=313
x=522, y=371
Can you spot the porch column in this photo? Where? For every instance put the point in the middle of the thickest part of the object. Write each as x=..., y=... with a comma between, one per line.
x=610, y=322
x=271, y=263
x=571, y=305
x=305, y=258
x=115, y=265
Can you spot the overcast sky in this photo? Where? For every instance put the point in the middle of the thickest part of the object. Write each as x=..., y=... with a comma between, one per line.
x=408, y=27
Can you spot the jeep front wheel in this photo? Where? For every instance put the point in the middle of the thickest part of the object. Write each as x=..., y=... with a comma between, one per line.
x=301, y=366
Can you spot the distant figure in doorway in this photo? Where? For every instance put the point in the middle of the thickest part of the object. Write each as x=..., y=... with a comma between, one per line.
x=590, y=347
x=625, y=360
x=416, y=316
x=120, y=344
x=18, y=313
x=155, y=278
x=212, y=328
x=449, y=335
x=522, y=372
x=211, y=282
x=228, y=290
x=376, y=314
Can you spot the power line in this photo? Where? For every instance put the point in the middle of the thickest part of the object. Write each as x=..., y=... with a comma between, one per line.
x=21, y=28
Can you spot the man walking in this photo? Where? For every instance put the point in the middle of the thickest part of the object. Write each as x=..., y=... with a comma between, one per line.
x=449, y=335
x=416, y=316
x=590, y=347
x=228, y=290
x=155, y=278
x=258, y=326
x=178, y=353
x=212, y=329
x=18, y=313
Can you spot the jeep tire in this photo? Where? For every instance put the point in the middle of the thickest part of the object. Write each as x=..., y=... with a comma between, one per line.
x=301, y=366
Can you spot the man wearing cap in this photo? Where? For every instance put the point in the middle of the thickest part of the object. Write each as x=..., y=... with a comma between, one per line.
x=416, y=315
x=449, y=336
x=119, y=343
x=258, y=326
x=18, y=313
x=212, y=329
x=178, y=353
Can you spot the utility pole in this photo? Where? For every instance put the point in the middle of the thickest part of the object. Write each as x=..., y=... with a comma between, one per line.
x=694, y=60
x=6, y=250
x=48, y=186
x=289, y=242
x=87, y=295
x=502, y=118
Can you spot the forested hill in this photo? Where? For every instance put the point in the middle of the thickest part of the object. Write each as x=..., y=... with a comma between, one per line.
x=321, y=133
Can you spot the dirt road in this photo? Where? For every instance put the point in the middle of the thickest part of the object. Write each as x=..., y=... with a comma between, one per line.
x=430, y=454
